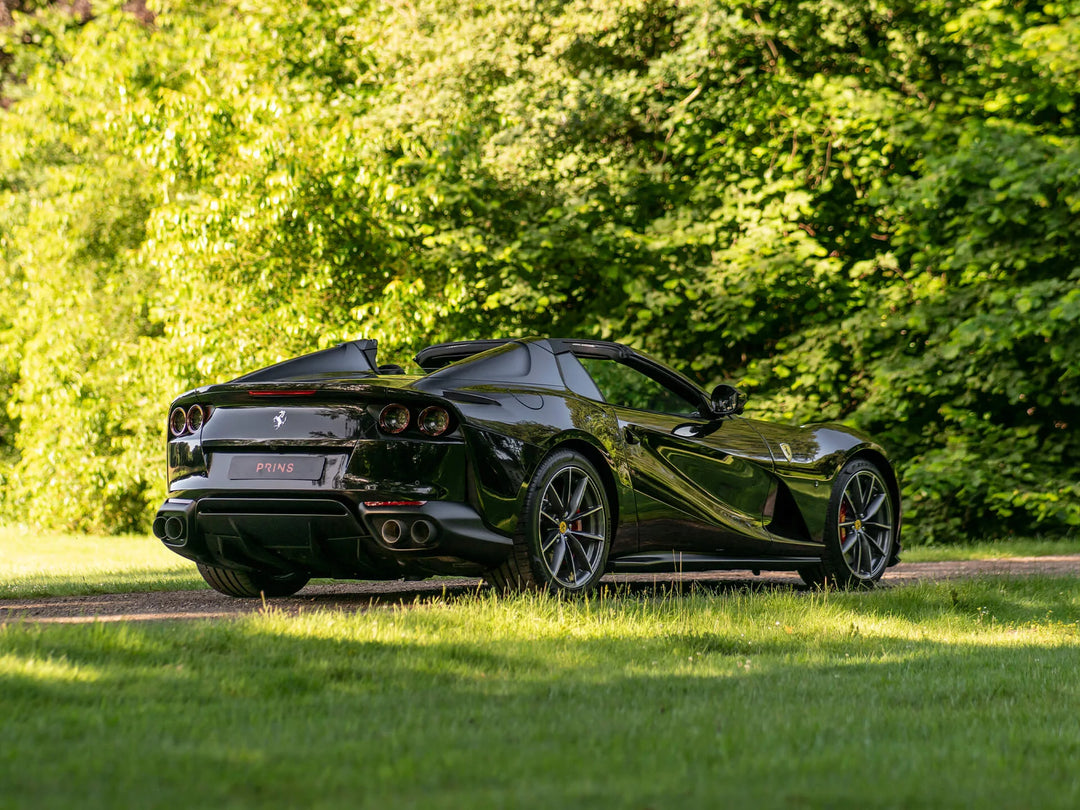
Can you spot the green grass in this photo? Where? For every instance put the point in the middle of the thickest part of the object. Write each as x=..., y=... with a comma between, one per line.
x=960, y=694
x=992, y=549
x=50, y=564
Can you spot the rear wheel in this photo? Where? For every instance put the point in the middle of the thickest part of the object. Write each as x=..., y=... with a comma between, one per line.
x=564, y=535
x=251, y=583
x=860, y=530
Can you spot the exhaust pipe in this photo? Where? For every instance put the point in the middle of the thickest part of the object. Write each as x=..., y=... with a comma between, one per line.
x=422, y=532
x=176, y=525
x=174, y=528
x=391, y=532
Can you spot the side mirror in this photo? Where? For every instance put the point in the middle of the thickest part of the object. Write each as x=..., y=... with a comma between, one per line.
x=727, y=400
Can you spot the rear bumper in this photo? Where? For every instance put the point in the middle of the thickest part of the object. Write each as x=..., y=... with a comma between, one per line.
x=330, y=537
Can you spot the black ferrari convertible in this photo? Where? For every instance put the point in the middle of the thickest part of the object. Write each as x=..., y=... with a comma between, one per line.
x=534, y=463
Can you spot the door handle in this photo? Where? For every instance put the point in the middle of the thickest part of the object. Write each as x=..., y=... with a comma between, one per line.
x=631, y=436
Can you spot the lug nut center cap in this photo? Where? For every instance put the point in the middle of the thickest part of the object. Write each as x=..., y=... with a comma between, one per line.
x=563, y=527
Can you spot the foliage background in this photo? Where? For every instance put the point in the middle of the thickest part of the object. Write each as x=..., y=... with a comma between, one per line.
x=862, y=211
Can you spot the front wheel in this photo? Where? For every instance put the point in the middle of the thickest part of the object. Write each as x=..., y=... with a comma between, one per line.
x=860, y=530
x=249, y=584
x=564, y=534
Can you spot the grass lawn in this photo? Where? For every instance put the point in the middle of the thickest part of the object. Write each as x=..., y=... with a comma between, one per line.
x=50, y=564
x=959, y=694
x=992, y=550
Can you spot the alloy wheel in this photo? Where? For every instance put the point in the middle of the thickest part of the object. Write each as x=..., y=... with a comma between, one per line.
x=572, y=526
x=865, y=524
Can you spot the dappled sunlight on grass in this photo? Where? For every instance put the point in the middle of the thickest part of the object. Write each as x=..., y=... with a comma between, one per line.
x=575, y=635
x=14, y=667
x=947, y=694
x=50, y=564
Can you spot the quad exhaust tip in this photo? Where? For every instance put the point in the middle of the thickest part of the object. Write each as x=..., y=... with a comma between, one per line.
x=420, y=532
x=174, y=528
x=171, y=529
x=391, y=532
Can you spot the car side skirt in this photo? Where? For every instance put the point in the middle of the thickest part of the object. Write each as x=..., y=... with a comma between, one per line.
x=679, y=562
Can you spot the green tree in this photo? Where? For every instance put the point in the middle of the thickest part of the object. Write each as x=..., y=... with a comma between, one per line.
x=864, y=211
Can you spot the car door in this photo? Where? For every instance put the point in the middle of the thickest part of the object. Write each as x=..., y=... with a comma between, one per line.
x=699, y=484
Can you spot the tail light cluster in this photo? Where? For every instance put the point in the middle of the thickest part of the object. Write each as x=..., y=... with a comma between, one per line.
x=431, y=421
x=183, y=421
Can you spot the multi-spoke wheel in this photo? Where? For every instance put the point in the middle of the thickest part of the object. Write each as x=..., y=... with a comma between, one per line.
x=571, y=525
x=564, y=536
x=860, y=529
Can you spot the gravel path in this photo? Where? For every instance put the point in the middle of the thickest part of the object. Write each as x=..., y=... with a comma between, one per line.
x=352, y=596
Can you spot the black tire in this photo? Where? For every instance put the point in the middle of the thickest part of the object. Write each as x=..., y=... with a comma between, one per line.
x=564, y=534
x=860, y=530
x=249, y=584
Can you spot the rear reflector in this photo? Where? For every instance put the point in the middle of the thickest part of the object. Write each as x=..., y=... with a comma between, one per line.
x=394, y=503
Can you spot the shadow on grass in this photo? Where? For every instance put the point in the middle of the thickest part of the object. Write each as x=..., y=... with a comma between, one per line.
x=422, y=709
x=1017, y=599
x=427, y=592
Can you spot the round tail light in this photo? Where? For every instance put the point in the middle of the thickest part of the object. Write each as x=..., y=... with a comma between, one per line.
x=177, y=422
x=195, y=418
x=434, y=421
x=394, y=418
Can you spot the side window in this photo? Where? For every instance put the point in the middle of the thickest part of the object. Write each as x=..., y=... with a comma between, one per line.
x=629, y=388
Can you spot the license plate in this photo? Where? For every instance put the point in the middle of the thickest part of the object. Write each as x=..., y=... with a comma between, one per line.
x=298, y=468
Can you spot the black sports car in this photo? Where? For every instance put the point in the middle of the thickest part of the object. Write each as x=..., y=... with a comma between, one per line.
x=535, y=463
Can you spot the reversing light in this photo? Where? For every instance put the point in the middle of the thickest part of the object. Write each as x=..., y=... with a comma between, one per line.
x=394, y=418
x=177, y=421
x=195, y=417
x=434, y=421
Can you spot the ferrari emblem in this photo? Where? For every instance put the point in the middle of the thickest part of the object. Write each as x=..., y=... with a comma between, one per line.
x=279, y=420
x=786, y=448
x=563, y=527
